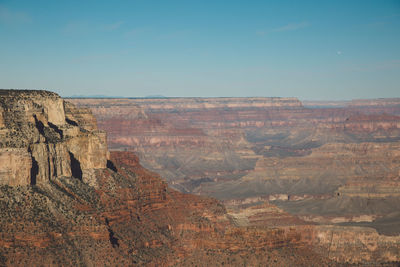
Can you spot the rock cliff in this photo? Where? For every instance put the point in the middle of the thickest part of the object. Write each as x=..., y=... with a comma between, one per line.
x=81, y=208
x=64, y=203
x=43, y=138
x=134, y=219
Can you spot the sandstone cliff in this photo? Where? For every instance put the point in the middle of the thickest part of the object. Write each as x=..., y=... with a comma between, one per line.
x=43, y=138
x=119, y=214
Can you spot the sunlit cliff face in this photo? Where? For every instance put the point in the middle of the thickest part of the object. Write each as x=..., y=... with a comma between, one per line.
x=41, y=139
x=65, y=201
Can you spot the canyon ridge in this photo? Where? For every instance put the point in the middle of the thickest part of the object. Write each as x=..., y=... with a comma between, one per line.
x=65, y=199
x=328, y=164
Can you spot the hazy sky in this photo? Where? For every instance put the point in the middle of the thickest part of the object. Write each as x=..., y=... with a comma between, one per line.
x=307, y=49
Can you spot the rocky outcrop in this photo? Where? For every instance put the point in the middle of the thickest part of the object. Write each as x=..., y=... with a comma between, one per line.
x=119, y=214
x=331, y=164
x=357, y=244
x=343, y=244
x=132, y=218
x=44, y=138
x=15, y=167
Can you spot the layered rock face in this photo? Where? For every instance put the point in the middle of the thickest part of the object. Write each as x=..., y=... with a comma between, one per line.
x=356, y=244
x=341, y=243
x=234, y=148
x=124, y=215
x=134, y=219
x=329, y=163
x=64, y=204
x=165, y=133
x=41, y=140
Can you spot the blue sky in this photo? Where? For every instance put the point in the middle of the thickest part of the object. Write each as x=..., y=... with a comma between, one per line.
x=317, y=50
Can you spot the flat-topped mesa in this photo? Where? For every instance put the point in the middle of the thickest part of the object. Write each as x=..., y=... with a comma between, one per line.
x=29, y=102
x=42, y=138
x=375, y=102
x=194, y=103
x=221, y=102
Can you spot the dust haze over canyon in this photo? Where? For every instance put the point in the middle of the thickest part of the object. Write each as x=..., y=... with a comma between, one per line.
x=225, y=181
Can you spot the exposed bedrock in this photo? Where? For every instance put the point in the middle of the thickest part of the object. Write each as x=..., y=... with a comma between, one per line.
x=210, y=145
x=331, y=168
x=117, y=213
x=340, y=160
x=43, y=138
x=15, y=167
x=356, y=244
x=133, y=219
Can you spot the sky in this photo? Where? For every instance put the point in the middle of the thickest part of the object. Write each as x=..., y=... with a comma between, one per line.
x=313, y=50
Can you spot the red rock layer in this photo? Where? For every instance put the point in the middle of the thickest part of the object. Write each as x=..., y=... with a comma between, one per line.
x=133, y=218
x=200, y=144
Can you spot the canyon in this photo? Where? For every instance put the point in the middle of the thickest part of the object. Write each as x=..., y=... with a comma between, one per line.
x=333, y=165
x=242, y=182
x=65, y=200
